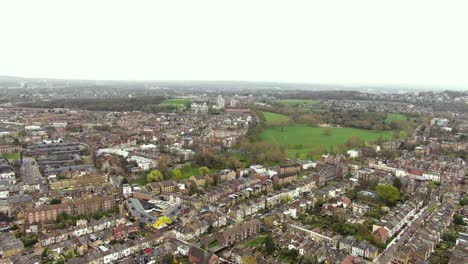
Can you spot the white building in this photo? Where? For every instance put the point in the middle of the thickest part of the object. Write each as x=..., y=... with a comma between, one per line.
x=258, y=168
x=59, y=124
x=199, y=108
x=353, y=153
x=8, y=175
x=148, y=146
x=127, y=190
x=431, y=176
x=233, y=103
x=309, y=165
x=442, y=122
x=4, y=193
x=143, y=163
x=114, y=151
x=220, y=102
x=32, y=127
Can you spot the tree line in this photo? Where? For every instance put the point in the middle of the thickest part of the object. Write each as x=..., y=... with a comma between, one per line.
x=146, y=104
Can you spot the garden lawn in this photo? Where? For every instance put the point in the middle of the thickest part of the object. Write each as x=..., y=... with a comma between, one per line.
x=11, y=156
x=274, y=118
x=301, y=139
x=259, y=240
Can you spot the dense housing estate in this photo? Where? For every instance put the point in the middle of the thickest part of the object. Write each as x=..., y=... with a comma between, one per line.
x=197, y=182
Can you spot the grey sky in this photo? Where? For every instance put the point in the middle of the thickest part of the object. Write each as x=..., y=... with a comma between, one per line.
x=352, y=42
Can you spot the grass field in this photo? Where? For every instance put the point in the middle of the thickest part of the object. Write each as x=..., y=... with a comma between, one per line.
x=298, y=102
x=274, y=118
x=11, y=156
x=301, y=139
x=175, y=102
x=394, y=117
x=189, y=170
x=257, y=241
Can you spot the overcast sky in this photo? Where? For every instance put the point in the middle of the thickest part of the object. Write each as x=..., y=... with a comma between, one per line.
x=347, y=42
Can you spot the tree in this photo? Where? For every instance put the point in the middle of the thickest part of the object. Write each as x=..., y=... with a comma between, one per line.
x=291, y=255
x=154, y=175
x=286, y=198
x=388, y=193
x=354, y=142
x=458, y=219
x=397, y=183
x=216, y=179
x=210, y=229
x=29, y=240
x=16, y=142
x=269, y=246
x=268, y=220
x=204, y=170
x=177, y=174
x=464, y=201
x=388, y=153
x=45, y=252
x=168, y=259
x=163, y=165
x=450, y=236
x=98, y=215
x=192, y=189
x=70, y=254
x=55, y=201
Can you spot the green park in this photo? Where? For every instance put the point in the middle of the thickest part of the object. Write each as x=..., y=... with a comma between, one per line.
x=299, y=140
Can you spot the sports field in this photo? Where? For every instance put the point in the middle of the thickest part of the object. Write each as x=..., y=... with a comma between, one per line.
x=175, y=102
x=302, y=139
x=274, y=118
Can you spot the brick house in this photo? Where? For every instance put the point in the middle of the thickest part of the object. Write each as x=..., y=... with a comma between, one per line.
x=200, y=256
x=121, y=231
x=87, y=206
x=289, y=168
x=285, y=178
x=239, y=232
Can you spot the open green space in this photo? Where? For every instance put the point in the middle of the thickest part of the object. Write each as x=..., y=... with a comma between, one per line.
x=298, y=102
x=394, y=117
x=189, y=170
x=257, y=241
x=245, y=159
x=11, y=156
x=301, y=139
x=175, y=102
x=274, y=118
